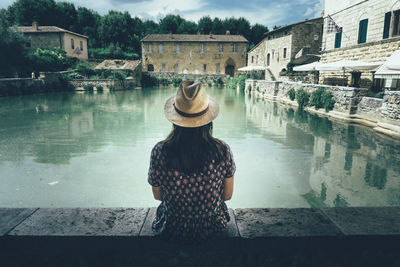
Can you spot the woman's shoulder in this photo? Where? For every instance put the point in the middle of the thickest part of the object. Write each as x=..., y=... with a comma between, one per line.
x=157, y=148
x=225, y=145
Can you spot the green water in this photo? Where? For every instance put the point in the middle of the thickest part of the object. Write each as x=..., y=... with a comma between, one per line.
x=93, y=150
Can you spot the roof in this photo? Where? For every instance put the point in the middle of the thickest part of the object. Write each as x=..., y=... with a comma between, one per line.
x=206, y=38
x=116, y=64
x=45, y=29
x=290, y=25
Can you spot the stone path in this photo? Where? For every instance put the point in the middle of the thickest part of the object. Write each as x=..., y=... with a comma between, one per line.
x=245, y=223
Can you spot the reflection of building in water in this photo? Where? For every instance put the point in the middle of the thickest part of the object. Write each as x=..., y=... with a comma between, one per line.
x=351, y=165
x=81, y=123
x=352, y=176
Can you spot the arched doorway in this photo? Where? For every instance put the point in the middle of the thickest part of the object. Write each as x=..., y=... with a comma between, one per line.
x=230, y=67
x=150, y=67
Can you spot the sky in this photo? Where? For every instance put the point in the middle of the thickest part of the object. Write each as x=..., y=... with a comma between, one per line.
x=266, y=12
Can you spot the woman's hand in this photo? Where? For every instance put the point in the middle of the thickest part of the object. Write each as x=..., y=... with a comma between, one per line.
x=228, y=189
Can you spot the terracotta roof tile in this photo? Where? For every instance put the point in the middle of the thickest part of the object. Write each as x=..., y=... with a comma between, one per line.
x=116, y=64
x=30, y=29
x=206, y=38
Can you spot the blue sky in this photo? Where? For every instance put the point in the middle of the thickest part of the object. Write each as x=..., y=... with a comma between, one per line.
x=267, y=12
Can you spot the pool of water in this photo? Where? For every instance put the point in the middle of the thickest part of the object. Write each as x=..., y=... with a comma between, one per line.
x=93, y=150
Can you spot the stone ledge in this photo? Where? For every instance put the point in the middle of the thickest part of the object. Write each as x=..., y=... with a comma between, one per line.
x=245, y=223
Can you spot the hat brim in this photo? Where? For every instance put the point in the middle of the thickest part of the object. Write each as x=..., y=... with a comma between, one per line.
x=191, y=122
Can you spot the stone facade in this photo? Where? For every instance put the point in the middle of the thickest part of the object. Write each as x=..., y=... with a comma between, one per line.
x=351, y=103
x=280, y=46
x=204, y=78
x=74, y=44
x=194, y=54
x=377, y=46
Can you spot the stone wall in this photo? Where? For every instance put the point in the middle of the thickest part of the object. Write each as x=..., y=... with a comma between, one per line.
x=19, y=86
x=204, y=78
x=351, y=103
x=190, y=59
x=105, y=83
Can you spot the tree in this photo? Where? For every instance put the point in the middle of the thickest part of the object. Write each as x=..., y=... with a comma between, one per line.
x=217, y=26
x=88, y=23
x=187, y=27
x=150, y=27
x=24, y=12
x=115, y=29
x=257, y=33
x=170, y=24
x=205, y=25
x=67, y=16
x=243, y=27
x=13, y=53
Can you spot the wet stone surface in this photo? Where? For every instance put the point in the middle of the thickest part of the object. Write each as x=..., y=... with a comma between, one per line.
x=366, y=221
x=84, y=222
x=9, y=218
x=284, y=222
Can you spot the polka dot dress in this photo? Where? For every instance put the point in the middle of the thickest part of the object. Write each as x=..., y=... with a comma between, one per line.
x=192, y=205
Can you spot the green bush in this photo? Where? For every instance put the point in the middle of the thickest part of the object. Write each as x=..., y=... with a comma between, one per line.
x=219, y=81
x=258, y=89
x=316, y=98
x=111, y=87
x=292, y=94
x=249, y=88
x=85, y=70
x=242, y=82
x=255, y=75
x=74, y=76
x=54, y=59
x=209, y=84
x=327, y=99
x=109, y=53
x=302, y=98
x=88, y=87
x=148, y=80
x=176, y=81
x=99, y=88
x=163, y=81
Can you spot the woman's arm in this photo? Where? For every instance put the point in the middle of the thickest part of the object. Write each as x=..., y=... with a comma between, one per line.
x=157, y=192
x=228, y=189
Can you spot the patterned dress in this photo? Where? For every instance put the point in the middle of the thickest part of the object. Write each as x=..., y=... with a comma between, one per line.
x=192, y=205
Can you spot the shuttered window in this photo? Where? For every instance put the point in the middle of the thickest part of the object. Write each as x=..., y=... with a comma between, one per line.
x=386, y=29
x=362, y=31
x=338, y=38
x=396, y=23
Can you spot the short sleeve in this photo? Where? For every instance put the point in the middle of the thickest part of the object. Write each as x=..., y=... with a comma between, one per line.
x=155, y=169
x=230, y=166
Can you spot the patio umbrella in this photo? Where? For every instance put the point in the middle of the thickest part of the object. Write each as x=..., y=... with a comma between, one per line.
x=307, y=67
x=250, y=68
x=391, y=68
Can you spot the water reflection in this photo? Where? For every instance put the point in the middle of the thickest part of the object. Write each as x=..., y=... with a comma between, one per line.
x=351, y=165
x=97, y=146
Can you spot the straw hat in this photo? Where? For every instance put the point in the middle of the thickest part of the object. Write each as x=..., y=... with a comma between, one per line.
x=190, y=107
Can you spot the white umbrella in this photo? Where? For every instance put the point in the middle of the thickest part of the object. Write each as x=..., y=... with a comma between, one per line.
x=250, y=68
x=349, y=65
x=391, y=68
x=307, y=67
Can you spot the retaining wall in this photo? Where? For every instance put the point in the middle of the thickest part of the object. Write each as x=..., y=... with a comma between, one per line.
x=351, y=103
x=204, y=78
x=105, y=83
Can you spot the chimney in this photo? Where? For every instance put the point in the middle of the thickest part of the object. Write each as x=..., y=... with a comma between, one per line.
x=228, y=32
x=35, y=26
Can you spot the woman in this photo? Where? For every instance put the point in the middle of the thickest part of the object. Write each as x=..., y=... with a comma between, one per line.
x=191, y=172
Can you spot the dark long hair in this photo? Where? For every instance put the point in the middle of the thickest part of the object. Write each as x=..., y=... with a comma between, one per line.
x=189, y=149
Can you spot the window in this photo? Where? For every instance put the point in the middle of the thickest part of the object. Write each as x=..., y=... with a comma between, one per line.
x=218, y=68
x=362, y=31
x=221, y=48
x=81, y=45
x=386, y=28
x=163, y=68
x=234, y=48
x=178, y=48
x=284, y=52
x=150, y=67
x=273, y=53
x=252, y=59
x=202, y=48
x=268, y=59
x=150, y=48
x=257, y=59
x=72, y=44
x=338, y=38
x=160, y=49
x=205, y=68
x=316, y=37
x=396, y=23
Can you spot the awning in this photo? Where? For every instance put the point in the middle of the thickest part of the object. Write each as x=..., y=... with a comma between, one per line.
x=349, y=65
x=307, y=67
x=391, y=68
x=251, y=68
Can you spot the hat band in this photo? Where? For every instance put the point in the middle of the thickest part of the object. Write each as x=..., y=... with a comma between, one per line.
x=188, y=115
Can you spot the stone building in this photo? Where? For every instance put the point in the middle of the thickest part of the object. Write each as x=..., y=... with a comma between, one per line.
x=370, y=31
x=51, y=36
x=194, y=53
x=280, y=46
